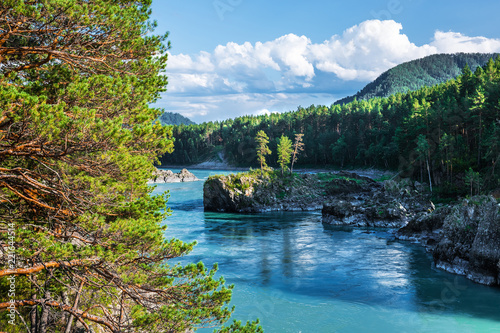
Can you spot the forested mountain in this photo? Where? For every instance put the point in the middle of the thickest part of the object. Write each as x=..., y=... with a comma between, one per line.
x=171, y=118
x=444, y=132
x=425, y=72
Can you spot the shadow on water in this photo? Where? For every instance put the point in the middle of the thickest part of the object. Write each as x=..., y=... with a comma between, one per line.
x=187, y=206
x=295, y=253
x=440, y=292
x=258, y=224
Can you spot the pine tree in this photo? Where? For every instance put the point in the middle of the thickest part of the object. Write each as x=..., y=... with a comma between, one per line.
x=262, y=149
x=77, y=147
x=298, y=146
x=284, y=152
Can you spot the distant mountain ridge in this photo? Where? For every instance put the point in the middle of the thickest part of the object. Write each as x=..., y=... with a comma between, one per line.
x=171, y=118
x=415, y=74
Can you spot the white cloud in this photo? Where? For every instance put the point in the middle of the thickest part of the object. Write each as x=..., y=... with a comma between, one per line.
x=203, y=83
x=292, y=64
x=452, y=42
x=291, y=50
x=183, y=62
x=366, y=50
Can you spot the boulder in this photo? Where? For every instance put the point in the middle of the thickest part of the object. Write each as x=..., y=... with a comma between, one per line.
x=167, y=176
x=426, y=222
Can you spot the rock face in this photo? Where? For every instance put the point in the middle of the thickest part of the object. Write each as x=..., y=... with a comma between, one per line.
x=364, y=213
x=390, y=205
x=425, y=228
x=219, y=196
x=167, y=176
x=250, y=193
x=471, y=241
x=346, y=198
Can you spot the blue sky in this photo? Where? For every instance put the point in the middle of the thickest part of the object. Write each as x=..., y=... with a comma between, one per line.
x=235, y=57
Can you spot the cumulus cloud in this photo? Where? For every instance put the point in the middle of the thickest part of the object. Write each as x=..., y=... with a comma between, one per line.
x=452, y=42
x=366, y=50
x=360, y=53
x=294, y=64
x=184, y=62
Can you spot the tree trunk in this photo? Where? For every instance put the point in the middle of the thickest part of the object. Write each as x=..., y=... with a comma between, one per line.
x=421, y=172
x=429, y=173
x=42, y=328
x=34, y=321
x=34, y=317
x=75, y=306
x=479, y=142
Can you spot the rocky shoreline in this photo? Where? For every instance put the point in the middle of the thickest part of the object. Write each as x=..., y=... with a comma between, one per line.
x=167, y=176
x=463, y=238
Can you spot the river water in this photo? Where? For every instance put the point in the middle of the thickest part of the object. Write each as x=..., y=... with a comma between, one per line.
x=298, y=275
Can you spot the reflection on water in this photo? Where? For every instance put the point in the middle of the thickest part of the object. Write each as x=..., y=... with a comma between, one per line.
x=298, y=275
x=292, y=252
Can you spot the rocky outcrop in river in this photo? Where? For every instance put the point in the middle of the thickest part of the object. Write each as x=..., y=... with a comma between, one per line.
x=346, y=198
x=220, y=196
x=251, y=193
x=167, y=176
x=390, y=204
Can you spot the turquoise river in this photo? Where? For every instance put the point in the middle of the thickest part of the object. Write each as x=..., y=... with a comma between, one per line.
x=298, y=275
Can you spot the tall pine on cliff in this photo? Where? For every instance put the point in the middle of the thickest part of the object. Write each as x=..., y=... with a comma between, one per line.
x=77, y=146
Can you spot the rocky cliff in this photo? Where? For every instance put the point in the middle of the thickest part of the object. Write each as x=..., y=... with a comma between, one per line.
x=471, y=240
x=252, y=193
x=220, y=195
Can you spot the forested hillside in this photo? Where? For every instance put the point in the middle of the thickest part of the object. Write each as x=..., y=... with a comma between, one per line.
x=425, y=72
x=452, y=128
x=171, y=118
